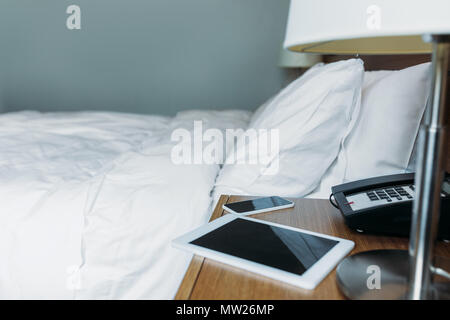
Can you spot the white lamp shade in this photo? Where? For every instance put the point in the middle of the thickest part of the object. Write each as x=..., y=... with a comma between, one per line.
x=365, y=26
x=289, y=59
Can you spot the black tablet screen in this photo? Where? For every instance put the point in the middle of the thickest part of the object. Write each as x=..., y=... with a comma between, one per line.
x=288, y=250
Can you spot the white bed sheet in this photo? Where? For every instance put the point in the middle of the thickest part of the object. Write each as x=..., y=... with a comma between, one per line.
x=90, y=201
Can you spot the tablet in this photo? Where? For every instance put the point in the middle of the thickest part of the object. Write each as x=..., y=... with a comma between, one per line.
x=295, y=256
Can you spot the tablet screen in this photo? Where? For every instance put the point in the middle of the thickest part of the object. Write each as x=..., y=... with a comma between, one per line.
x=276, y=247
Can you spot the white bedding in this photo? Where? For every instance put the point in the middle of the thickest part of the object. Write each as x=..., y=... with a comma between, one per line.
x=91, y=200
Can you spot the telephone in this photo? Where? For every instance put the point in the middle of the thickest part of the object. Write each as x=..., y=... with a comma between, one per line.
x=383, y=205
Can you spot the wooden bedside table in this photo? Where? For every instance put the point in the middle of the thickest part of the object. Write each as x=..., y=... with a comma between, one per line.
x=208, y=279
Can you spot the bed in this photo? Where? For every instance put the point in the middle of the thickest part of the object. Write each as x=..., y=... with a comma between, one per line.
x=91, y=200
x=62, y=172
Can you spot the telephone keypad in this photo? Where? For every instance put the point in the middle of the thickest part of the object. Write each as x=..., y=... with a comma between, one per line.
x=388, y=194
x=381, y=196
x=372, y=196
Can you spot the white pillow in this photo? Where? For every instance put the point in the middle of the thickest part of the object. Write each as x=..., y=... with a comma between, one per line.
x=313, y=114
x=382, y=141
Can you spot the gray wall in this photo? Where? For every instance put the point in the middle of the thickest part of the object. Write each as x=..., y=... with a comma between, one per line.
x=154, y=56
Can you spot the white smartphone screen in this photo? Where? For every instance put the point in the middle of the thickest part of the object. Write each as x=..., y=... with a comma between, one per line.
x=257, y=204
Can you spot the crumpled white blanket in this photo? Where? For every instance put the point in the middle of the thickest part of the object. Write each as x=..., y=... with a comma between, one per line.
x=89, y=203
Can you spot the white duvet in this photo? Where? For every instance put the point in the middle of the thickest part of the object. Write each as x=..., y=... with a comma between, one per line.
x=90, y=201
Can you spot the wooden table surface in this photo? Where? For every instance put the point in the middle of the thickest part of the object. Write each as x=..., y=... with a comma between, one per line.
x=208, y=279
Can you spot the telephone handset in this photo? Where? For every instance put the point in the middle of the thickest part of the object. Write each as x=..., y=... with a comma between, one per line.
x=383, y=205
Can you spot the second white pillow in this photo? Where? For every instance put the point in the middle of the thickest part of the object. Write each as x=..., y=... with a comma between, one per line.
x=311, y=117
x=381, y=142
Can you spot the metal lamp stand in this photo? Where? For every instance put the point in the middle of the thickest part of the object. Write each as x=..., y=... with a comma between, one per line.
x=408, y=274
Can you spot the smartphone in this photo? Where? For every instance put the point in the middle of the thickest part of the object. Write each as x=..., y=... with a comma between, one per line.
x=258, y=205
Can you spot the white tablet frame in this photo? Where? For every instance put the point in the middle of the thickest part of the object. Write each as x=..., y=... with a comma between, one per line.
x=308, y=280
